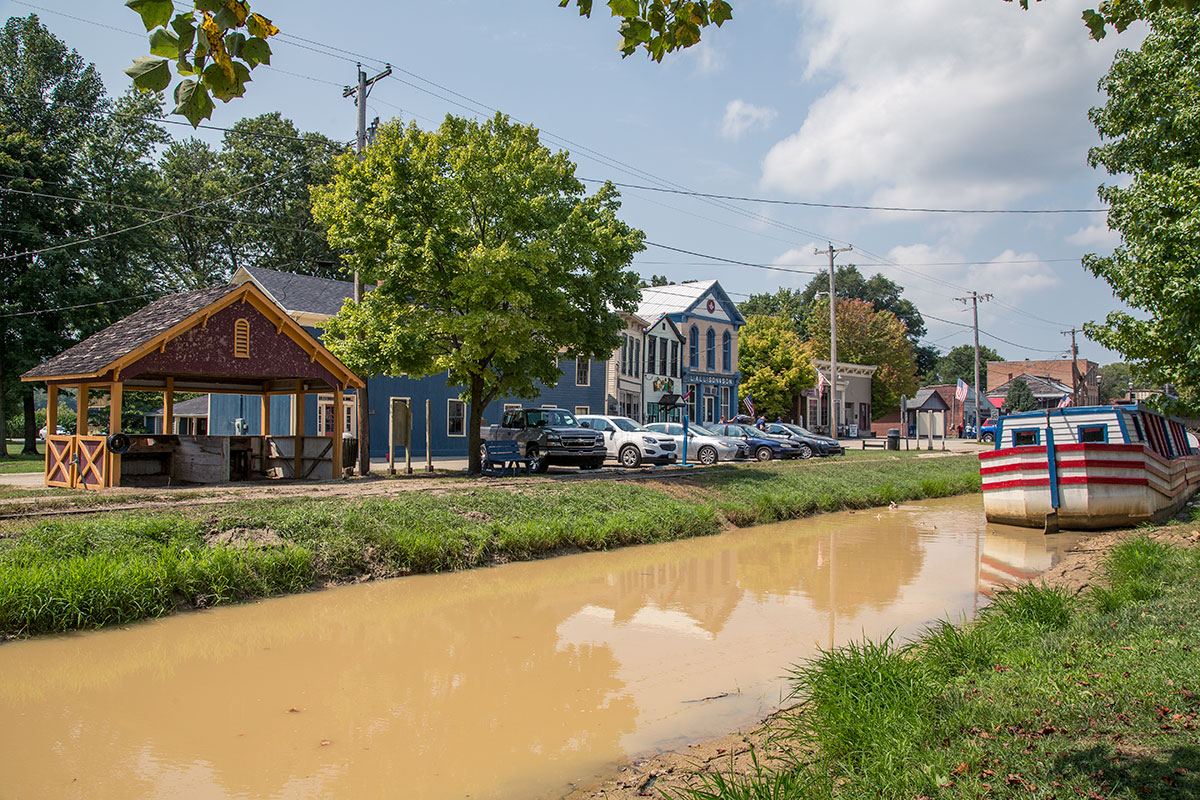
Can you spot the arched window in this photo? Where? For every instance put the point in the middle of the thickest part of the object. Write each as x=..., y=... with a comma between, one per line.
x=726, y=352
x=694, y=348
x=241, y=338
x=710, y=350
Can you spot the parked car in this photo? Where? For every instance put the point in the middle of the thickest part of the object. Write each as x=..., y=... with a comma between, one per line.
x=987, y=433
x=630, y=443
x=548, y=437
x=743, y=450
x=762, y=446
x=702, y=447
x=59, y=431
x=810, y=444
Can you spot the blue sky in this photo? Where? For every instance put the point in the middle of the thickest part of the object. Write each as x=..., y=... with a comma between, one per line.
x=930, y=103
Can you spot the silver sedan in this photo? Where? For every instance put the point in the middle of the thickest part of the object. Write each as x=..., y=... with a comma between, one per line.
x=701, y=446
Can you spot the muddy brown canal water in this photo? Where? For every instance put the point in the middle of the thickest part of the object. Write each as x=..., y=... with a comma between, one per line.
x=510, y=682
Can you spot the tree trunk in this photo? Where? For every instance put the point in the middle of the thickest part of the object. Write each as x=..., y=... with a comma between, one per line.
x=30, y=448
x=474, y=423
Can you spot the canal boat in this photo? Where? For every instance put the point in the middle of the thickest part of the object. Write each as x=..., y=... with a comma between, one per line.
x=1088, y=468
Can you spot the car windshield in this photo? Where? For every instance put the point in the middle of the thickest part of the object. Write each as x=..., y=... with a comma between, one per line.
x=800, y=429
x=746, y=430
x=626, y=424
x=551, y=417
x=696, y=430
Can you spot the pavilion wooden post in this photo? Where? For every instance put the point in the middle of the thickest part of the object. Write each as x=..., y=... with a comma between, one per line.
x=299, y=431
x=116, y=396
x=81, y=410
x=169, y=407
x=338, y=412
x=51, y=423
x=265, y=415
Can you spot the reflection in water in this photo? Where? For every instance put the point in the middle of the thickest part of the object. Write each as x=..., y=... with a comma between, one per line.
x=506, y=682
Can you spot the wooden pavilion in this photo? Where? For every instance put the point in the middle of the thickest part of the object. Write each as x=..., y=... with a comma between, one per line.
x=226, y=339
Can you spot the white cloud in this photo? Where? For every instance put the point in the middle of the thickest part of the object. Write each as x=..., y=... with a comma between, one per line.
x=941, y=103
x=706, y=58
x=1095, y=236
x=741, y=116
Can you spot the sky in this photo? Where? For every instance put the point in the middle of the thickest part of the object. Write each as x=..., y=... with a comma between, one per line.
x=927, y=104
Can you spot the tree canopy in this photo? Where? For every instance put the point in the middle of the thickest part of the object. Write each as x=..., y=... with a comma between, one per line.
x=775, y=365
x=491, y=261
x=1020, y=397
x=1150, y=137
x=867, y=336
x=660, y=26
x=959, y=364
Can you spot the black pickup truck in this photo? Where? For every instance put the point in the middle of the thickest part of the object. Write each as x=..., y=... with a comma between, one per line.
x=549, y=437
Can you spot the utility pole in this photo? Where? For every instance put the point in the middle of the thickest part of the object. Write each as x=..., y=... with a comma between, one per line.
x=1074, y=366
x=831, y=252
x=364, y=412
x=974, y=299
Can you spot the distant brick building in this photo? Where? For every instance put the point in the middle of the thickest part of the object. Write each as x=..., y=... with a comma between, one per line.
x=1059, y=370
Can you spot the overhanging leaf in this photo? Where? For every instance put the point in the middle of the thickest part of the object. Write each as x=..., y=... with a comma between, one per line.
x=164, y=43
x=185, y=28
x=150, y=74
x=193, y=102
x=233, y=44
x=154, y=13
x=260, y=26
x=256, y=51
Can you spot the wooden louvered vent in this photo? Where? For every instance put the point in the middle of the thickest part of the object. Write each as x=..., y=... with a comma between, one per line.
x=241, y=338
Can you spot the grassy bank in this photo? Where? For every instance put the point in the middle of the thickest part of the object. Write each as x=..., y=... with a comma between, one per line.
x=16, y=462
x=1046, y=695
x=117, y=567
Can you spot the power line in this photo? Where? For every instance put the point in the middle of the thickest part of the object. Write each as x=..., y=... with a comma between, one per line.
x=72, y=308
x=808, y=204
x=731, y=260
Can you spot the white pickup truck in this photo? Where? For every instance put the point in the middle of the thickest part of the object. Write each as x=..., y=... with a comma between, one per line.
x=630, y=443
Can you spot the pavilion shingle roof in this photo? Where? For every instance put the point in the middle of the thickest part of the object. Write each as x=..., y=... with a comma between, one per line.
x=101, y=349
x=303, y=293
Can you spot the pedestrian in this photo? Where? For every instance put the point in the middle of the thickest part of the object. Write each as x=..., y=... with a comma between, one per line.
x=960, y=430
x=761, y=424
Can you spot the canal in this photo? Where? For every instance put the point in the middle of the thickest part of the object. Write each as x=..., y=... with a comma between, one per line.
x=509, y=682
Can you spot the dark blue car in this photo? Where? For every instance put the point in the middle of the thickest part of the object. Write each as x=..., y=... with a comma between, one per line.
x=762, y=447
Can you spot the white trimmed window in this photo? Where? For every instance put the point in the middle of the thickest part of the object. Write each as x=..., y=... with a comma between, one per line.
x=583, y=371
x=582, y=411
x=456, y=418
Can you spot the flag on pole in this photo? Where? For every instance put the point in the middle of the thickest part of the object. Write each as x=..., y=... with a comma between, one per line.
x=821, y=382
x=748, y=400
x=1066, y=401
x=686, y=396
x=961, y=391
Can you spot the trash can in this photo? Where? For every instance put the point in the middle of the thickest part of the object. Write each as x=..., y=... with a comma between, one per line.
x=893, y=442
x=349, y=450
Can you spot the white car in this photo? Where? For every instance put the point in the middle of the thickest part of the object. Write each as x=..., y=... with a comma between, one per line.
x=630, y=443
x=702, y=446
x=60, y=431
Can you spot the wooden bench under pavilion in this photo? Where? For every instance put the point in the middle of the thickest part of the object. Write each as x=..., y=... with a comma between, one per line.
x=229, y=339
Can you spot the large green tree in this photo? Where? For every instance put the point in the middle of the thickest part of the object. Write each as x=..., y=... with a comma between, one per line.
x=869, y=337
x=775, y=365
x=491, y=261
x=959, y=364
x=64, y=166
x=1116, y=380
x=1150, y=133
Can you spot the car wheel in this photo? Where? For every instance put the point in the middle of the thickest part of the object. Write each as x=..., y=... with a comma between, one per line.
x=806, y=451
x=630, y=456
x=707, y=455
x=989, y=437
x=537, y=462
x=764, y=453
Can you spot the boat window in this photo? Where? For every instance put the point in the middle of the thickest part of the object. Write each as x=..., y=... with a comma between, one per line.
x=1093, y=433
x=1137, y=428
x=1025, y=436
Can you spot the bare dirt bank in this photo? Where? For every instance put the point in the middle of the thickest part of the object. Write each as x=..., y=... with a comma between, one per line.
x=673, y=771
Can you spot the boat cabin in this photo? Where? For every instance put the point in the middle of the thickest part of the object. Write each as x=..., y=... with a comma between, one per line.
x=1095, y=424
x=230, y=339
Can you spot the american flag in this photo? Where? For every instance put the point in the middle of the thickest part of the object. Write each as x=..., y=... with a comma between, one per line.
x=821, y=382
x=1066, y=401
x=749, y=401
x=961, y=391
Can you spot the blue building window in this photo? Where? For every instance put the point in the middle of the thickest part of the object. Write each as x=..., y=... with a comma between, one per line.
x=710, y=350
x=726, y=352
x=694, y=348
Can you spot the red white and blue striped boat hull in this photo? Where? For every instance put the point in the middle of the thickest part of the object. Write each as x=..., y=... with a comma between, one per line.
x=1088, y=485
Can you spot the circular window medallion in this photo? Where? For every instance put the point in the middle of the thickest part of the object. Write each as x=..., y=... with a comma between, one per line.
x=712, y=305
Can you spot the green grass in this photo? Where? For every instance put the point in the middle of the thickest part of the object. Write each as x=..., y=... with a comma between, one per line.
x=20, y=463
x=111, y=567
x=1045, y=695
